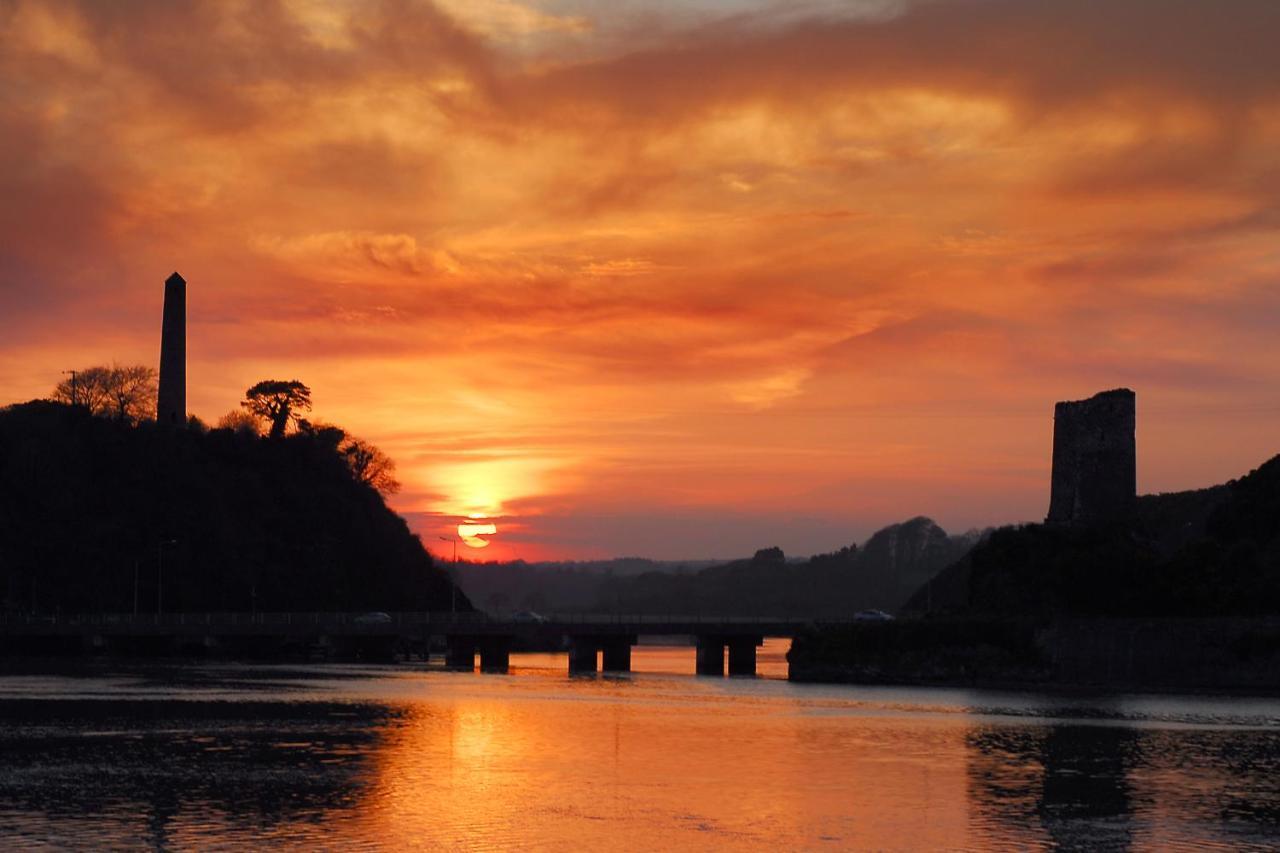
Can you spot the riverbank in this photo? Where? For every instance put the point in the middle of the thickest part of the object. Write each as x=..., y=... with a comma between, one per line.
x=1220, y=655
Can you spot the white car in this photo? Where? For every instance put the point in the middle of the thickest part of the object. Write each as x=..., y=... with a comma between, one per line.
x=375, y=618
x=872, y=616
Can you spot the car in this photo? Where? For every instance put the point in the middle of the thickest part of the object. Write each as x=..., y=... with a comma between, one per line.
x=528, y=617
x=872, y=616
x=377, y=617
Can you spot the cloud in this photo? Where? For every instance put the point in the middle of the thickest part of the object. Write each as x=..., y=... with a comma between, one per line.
x=831, y=258
x=345, y=252
x=1043, y=57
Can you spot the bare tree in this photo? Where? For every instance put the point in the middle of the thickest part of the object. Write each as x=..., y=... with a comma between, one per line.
x=132, y=391
x=239, y=421
x=126, y=392
x=278, y=402
x=87, y=387
x=370, y=466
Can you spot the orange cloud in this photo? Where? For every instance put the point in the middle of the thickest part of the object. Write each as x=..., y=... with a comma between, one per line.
x=739, y=263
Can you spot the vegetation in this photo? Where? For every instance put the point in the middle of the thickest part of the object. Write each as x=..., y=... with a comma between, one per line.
x=881, y=574
x=239, y=421
x=1212, y=552
x=278, y=402
x=96, y=514
x=369, y=465
x=126, y=393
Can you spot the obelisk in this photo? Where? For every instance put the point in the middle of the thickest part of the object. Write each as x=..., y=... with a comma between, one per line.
x=171, y=403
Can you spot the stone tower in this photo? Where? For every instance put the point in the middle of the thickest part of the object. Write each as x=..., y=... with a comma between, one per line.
x=1095, y=461
x=171, y=403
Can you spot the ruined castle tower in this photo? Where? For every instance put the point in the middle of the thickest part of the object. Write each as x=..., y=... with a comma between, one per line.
x=1095, y=461
x=171, y=404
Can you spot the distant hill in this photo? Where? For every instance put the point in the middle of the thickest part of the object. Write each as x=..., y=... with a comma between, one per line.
x=552, y=586
x=881, y=574
x=220, y=521
x=1212, y=551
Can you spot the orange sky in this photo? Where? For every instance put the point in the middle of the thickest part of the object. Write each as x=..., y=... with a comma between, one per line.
x=668, y=279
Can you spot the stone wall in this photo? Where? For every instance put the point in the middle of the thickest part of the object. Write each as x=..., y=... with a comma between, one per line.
x=1094, y=460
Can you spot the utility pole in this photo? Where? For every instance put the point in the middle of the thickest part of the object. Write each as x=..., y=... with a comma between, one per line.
x=75, y=397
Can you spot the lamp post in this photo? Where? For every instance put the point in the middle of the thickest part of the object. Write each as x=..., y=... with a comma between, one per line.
x=160, y=573
x=453, y=578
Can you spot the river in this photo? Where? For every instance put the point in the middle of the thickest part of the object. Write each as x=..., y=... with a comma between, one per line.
x=394, y=757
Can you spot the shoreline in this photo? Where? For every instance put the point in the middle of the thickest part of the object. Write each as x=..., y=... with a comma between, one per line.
x=1232, y=656
x=851, y=677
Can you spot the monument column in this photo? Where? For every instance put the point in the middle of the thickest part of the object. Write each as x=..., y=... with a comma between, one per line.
x=171, y=402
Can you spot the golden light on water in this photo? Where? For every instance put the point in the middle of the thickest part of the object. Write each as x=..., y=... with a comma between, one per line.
x=471, y=530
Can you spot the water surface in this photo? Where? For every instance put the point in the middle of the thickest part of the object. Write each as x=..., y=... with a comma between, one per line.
x=392, y=757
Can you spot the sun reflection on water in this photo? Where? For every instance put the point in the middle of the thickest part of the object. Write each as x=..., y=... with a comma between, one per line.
x=370, y=757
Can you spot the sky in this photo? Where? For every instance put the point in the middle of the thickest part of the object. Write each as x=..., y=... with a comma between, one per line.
x=666, y=279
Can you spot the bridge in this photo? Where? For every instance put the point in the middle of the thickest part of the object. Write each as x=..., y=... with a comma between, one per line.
x=594, y=642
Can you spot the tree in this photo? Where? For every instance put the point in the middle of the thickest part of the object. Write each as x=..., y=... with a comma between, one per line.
x=370, y=466
x=329, y=435
x=132, y=391
x=127, y=393
x=240, y=422
x=278, y=403
x=86, y=387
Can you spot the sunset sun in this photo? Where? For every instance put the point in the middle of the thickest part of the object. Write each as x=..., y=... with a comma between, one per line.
x=471, y=531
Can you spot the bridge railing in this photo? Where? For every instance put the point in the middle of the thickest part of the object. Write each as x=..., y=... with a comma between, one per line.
x=668, y=619
x=420, y=620
x=236, y=619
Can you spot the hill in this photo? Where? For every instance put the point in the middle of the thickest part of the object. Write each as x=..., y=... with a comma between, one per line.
x=1209, y=552
x=880, y=574
x=96, y=515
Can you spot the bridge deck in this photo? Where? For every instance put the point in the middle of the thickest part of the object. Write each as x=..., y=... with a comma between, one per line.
x=394, y=624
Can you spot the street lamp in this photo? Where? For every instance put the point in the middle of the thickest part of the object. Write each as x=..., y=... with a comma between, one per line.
x=453, y=578
x=160, y=572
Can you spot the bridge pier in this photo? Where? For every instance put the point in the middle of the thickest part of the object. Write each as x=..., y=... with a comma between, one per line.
x=460, y=653
x=617, y=655
x=495, y=654
x=582, y=655
x=742, y=655
x=710, y=656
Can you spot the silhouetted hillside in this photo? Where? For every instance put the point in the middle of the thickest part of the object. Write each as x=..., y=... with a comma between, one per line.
x=216, y=521
x=882, y=574
x=1207, y=552
x=554, y=586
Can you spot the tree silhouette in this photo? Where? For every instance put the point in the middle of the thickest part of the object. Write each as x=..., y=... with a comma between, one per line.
x=367, y=463
x=239, y=421
x=87, y=388
x=125, y=392
x=132, y=391
x=278, y=402
x=370, y=466
x=329, y=435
